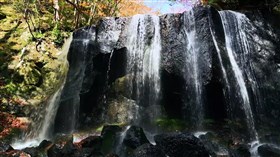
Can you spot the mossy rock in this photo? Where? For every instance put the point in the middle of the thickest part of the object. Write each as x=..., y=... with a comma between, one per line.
x=33, y=77
x=121, y=110
x=119, y=87
x=169, y=124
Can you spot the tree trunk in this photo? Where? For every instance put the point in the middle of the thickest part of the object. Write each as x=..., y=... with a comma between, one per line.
x=56, y=10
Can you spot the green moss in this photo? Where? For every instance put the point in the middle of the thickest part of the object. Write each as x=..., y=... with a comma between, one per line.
x=119, y=87
x=99, y=129
x=169, y=124
x=276, y=10
x=213, y=3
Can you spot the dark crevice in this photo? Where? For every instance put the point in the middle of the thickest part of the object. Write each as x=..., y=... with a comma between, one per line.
x=172, y=97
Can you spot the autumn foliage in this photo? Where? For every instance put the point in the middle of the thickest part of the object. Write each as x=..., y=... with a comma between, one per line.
x=10, y=122
x=129, y=8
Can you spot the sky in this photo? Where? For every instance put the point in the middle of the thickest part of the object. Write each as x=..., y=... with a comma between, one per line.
x=165, y=6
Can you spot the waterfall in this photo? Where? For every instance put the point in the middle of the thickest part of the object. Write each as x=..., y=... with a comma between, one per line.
x=43, y=126
x=237, y=47
x=192, y=70
x=220, y=59
x=144, y=46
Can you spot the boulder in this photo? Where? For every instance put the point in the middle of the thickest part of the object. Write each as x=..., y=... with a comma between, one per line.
x=240, y=150
x=109, y=137
x=87, y=152
x=55, y=151
x=267, y=150
x=59, y=150
x=63, y=146
x=119, y=86
x=68, y=149
x=121, y=110
x=135, y=137
x=4, y=147
x=148, y=150
x=44, y=145
x=181, y=145
x=32, y=151
x=91, y=142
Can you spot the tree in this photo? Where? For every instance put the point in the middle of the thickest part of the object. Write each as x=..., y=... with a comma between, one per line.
x=129, y=8
x=56, y=10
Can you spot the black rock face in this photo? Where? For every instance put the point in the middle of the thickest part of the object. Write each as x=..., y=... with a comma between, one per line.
x=98, y=56
x=181, y=144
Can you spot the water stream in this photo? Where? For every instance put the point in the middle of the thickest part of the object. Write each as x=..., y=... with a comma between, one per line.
x=144, y=63
x=192, y=70
x=235, y=35
x=42, y=128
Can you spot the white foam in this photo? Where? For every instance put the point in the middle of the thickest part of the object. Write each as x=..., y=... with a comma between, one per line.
x=200, y=133
x=25, y=144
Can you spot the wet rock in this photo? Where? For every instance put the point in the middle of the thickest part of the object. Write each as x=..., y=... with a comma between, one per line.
x=272, y=138
x=91, y=142
x=240, y=150
x=68, y=149
x=4, y=147
x=269, y=151
x=173, y=45
x=135, y=137
x=90, y=146
x=44, y=145
x=148, y=150
x=211, y=143
x=55, y=151
x=62, y=139
x=119, y=86
x=63, y=147
x=79, y=77
x=181, y=144
x=87, y=152
x=109, y=137
x=32, y=151
x=112, y=155
x=121, y=110
x=108, y=33
x=59, y=150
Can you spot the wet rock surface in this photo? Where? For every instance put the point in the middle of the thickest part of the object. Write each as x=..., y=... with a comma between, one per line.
x=97, y=60
x=135, y=144
x=267, y=150
x=181, y=144
x=135, y=137
x=148, y=150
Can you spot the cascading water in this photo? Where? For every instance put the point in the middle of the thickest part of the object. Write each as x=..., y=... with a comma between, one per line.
x=144, y=46
x=192, y=70
x=220, y=59
x=237, y=47
x=43, y=127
